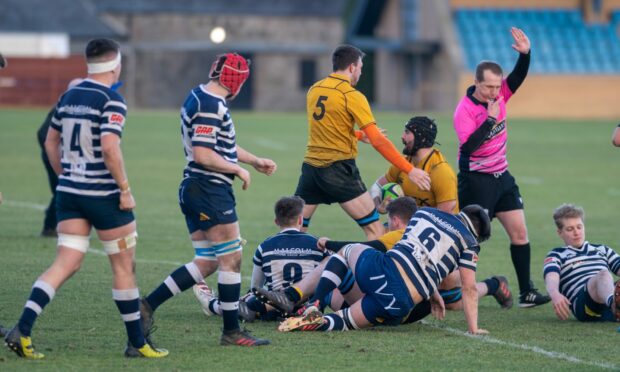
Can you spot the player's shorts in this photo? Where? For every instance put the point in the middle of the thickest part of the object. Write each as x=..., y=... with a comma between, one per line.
x=339, y=182
x=102, y=213
x=387, y=300
x=586, y=309
x=494, y=192
x=206, y=204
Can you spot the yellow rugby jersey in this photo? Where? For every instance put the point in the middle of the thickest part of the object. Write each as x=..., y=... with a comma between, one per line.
x=443, y=181
x=334, y=107
x=389, y=239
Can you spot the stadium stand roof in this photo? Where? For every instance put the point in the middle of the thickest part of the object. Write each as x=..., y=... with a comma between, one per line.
x=78, y=18
x=316, y=8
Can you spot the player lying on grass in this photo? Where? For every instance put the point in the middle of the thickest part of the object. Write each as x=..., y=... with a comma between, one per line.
x=435, y=243
x=399, y=212
x=578, y=275
x=279, y=261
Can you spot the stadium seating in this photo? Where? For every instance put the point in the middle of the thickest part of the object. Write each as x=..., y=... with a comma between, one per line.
x=562, y=42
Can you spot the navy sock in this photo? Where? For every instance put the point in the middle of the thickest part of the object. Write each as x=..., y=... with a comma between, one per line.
x=128, y=303
x=41, y=295
x=335, y=271
x=520, y=255
x=492, y=284
x=181, y=279
x=229, y=288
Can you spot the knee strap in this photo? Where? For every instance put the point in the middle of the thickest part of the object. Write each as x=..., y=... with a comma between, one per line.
x=77, y=242
x=117, y=246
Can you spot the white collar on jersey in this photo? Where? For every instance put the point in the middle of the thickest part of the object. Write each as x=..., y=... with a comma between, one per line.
x=289, y=229
x=99, y=67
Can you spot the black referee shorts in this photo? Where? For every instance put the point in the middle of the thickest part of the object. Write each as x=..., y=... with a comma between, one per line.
x=339, y=182
x=494, y=192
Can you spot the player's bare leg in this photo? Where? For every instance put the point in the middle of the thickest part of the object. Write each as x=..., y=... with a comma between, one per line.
x=361, y=210
x=307, y=213
x=601, y=287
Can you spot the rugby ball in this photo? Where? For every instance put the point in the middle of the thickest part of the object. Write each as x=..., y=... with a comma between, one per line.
x=391, y=190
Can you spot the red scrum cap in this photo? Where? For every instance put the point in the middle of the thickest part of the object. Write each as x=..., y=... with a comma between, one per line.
x=232, y=70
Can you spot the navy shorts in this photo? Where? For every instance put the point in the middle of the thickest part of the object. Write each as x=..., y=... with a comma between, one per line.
x=339, y=182
x=586, y=309
x=206, y=204
x=102, y=213
x=495, y=193
x=387, y=300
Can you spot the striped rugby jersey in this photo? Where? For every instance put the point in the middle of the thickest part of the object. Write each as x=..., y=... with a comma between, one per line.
x=287, y=257
x=83, y=115
x=577, y=265
x=205, y=121
x=434, y=244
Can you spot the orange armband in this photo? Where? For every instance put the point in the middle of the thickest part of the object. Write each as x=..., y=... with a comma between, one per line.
x=386, y=148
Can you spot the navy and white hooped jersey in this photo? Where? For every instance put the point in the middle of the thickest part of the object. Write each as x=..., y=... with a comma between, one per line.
x=287, y=257
x=577, y=265
x=205, y=121
x=434, y=244
x=83, y=115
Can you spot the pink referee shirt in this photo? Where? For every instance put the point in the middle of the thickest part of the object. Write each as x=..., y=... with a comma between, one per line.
x=469, y=115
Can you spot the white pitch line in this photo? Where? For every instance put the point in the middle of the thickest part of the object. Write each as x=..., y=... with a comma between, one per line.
x=27, y=205
x=534, y=349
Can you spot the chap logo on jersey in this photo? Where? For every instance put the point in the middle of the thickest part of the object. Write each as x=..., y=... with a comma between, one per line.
x=548, y=260
x=475, y=258
x=117, y=119
x=203, y=130
x=204, y=217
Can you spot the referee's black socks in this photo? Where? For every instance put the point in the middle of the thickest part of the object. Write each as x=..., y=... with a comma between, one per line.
x=520, y=255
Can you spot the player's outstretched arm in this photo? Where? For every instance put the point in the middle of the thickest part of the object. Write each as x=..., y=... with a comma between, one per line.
x=561, y=304
x=387, y=149
x=263, y=165
x=470, y=301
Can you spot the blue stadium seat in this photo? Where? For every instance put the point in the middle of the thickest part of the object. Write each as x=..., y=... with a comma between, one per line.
x=562, y=41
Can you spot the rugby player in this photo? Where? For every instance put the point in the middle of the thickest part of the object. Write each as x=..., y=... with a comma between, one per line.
x=578, y=276
x=83, y=147
x=329, y=173
x=206, y=196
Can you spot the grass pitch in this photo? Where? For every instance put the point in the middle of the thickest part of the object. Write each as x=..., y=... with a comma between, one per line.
x=553, y=162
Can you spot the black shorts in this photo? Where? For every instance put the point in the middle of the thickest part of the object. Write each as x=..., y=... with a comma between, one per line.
x=206, y=204
x=495, y=193
x=337, y=183
x=102, y=213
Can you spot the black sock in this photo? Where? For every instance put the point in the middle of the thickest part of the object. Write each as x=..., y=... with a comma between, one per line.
x=520, y=255
x=492, y=285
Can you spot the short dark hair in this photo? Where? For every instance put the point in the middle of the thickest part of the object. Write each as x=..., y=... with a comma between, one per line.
x=288, y=209
x=403, y=207
x=97, y=48
x=345, y=55
x=487, y=65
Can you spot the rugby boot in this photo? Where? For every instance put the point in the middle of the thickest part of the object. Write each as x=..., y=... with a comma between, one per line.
x=204, y=294
x=240, y=337
x=503, y=296
x=277, y=299
x=146, y=351
x=21, y=345
x=146, y=319
x=245, y=313
x=310, y=320
x=532, y=297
